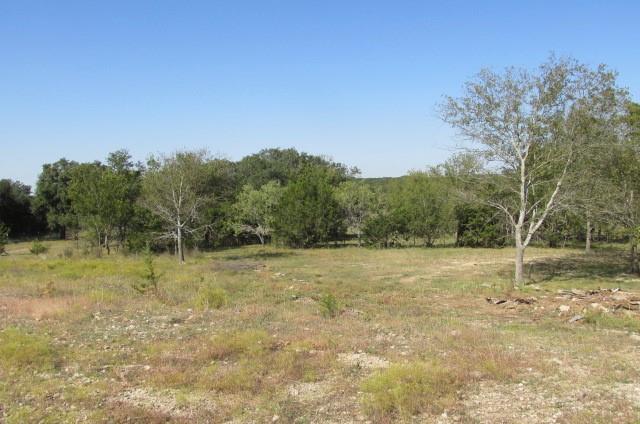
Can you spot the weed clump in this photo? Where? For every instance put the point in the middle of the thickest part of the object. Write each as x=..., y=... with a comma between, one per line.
x=38, y=248
x=409, y=389
x=209, y=297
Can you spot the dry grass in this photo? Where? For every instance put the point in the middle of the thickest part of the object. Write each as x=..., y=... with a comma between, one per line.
x=327, y=335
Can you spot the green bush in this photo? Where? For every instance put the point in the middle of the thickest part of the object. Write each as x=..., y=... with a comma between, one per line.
x=19, y=349
x=409, y=389
x=479, y=226
x=38, y=248
x=209, y=297
x=329, y=306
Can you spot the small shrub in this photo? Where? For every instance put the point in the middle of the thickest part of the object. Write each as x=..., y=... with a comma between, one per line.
x=209, y=297
x=409, y=389
x=329, y=306
x=150, y=277
x=38, y=248
x=19, y=349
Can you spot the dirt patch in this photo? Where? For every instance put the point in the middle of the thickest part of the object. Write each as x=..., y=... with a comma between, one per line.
x=39, y=308
x=363, y=360
x=309, y=392
x=165, y=402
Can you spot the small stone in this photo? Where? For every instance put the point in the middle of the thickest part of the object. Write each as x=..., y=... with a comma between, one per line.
x=564, y=308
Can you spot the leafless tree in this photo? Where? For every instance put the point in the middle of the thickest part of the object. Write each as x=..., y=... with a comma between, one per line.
x=174, y=190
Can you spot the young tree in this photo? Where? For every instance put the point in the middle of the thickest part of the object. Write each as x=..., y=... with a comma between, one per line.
x=174, y=189
x=94, y=196
x=357, y=200
x=255, y=209
x=528, y=125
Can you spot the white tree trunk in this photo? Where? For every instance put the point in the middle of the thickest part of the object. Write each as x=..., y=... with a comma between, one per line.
x=180, y=247
x=519, y=271
x=587, y=246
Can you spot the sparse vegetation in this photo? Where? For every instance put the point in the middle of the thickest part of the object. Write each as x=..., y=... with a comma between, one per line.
x=242, y=337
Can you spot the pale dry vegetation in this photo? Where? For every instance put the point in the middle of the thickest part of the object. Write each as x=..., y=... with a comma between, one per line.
x=260, y=334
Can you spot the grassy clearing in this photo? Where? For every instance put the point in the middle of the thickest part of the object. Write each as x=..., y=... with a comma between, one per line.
x=326, y=335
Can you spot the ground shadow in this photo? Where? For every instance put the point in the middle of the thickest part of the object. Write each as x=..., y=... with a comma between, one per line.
x=259, y=255
x=599, y=264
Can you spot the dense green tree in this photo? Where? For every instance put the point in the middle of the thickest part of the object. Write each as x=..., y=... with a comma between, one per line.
x=424, y=200
x=52, y=197
x=479, y=225
x=308, y=212
x=284, y=165
x=16, y=211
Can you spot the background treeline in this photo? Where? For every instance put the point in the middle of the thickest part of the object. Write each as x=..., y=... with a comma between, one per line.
x=190, y=199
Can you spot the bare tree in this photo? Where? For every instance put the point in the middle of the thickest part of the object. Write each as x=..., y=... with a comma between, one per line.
x=174, y=190
x=529, y=126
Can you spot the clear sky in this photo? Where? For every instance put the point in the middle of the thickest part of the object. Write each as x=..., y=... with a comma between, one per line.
x=356, y=80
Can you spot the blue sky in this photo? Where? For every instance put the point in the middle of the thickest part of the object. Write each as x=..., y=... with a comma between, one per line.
x=356, y=80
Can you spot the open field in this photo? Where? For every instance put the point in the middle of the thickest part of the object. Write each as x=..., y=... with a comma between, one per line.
x=313, y=336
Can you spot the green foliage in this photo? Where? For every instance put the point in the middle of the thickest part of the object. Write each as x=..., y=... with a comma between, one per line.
x=357, y=201
x=19, y=350
x=308, y=212
x=52, y=196
x=255, y=210
x=4, y=238
x=15, y=209
x=479, y=226
x=409, y=389
x=424, y=201
x=329, y=306
x=209, y=297
x=149, y=284
x=37, y=248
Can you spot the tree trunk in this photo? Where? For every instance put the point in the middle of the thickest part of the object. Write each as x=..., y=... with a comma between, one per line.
x=180, y=247
x=106, y=244
x=635, y=266
x=587, y=246
x=261, y=238
x=519, y=272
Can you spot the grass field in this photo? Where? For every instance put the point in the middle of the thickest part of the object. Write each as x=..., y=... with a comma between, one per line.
x=319, y=336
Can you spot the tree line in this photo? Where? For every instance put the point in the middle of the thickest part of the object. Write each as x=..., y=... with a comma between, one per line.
x=552, y=157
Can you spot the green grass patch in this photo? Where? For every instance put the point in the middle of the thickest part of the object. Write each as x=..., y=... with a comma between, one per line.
x=409, y=389
x=19, y=349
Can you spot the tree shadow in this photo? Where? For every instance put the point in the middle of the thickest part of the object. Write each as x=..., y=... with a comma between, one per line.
x=600, y=264
x=259, y=255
